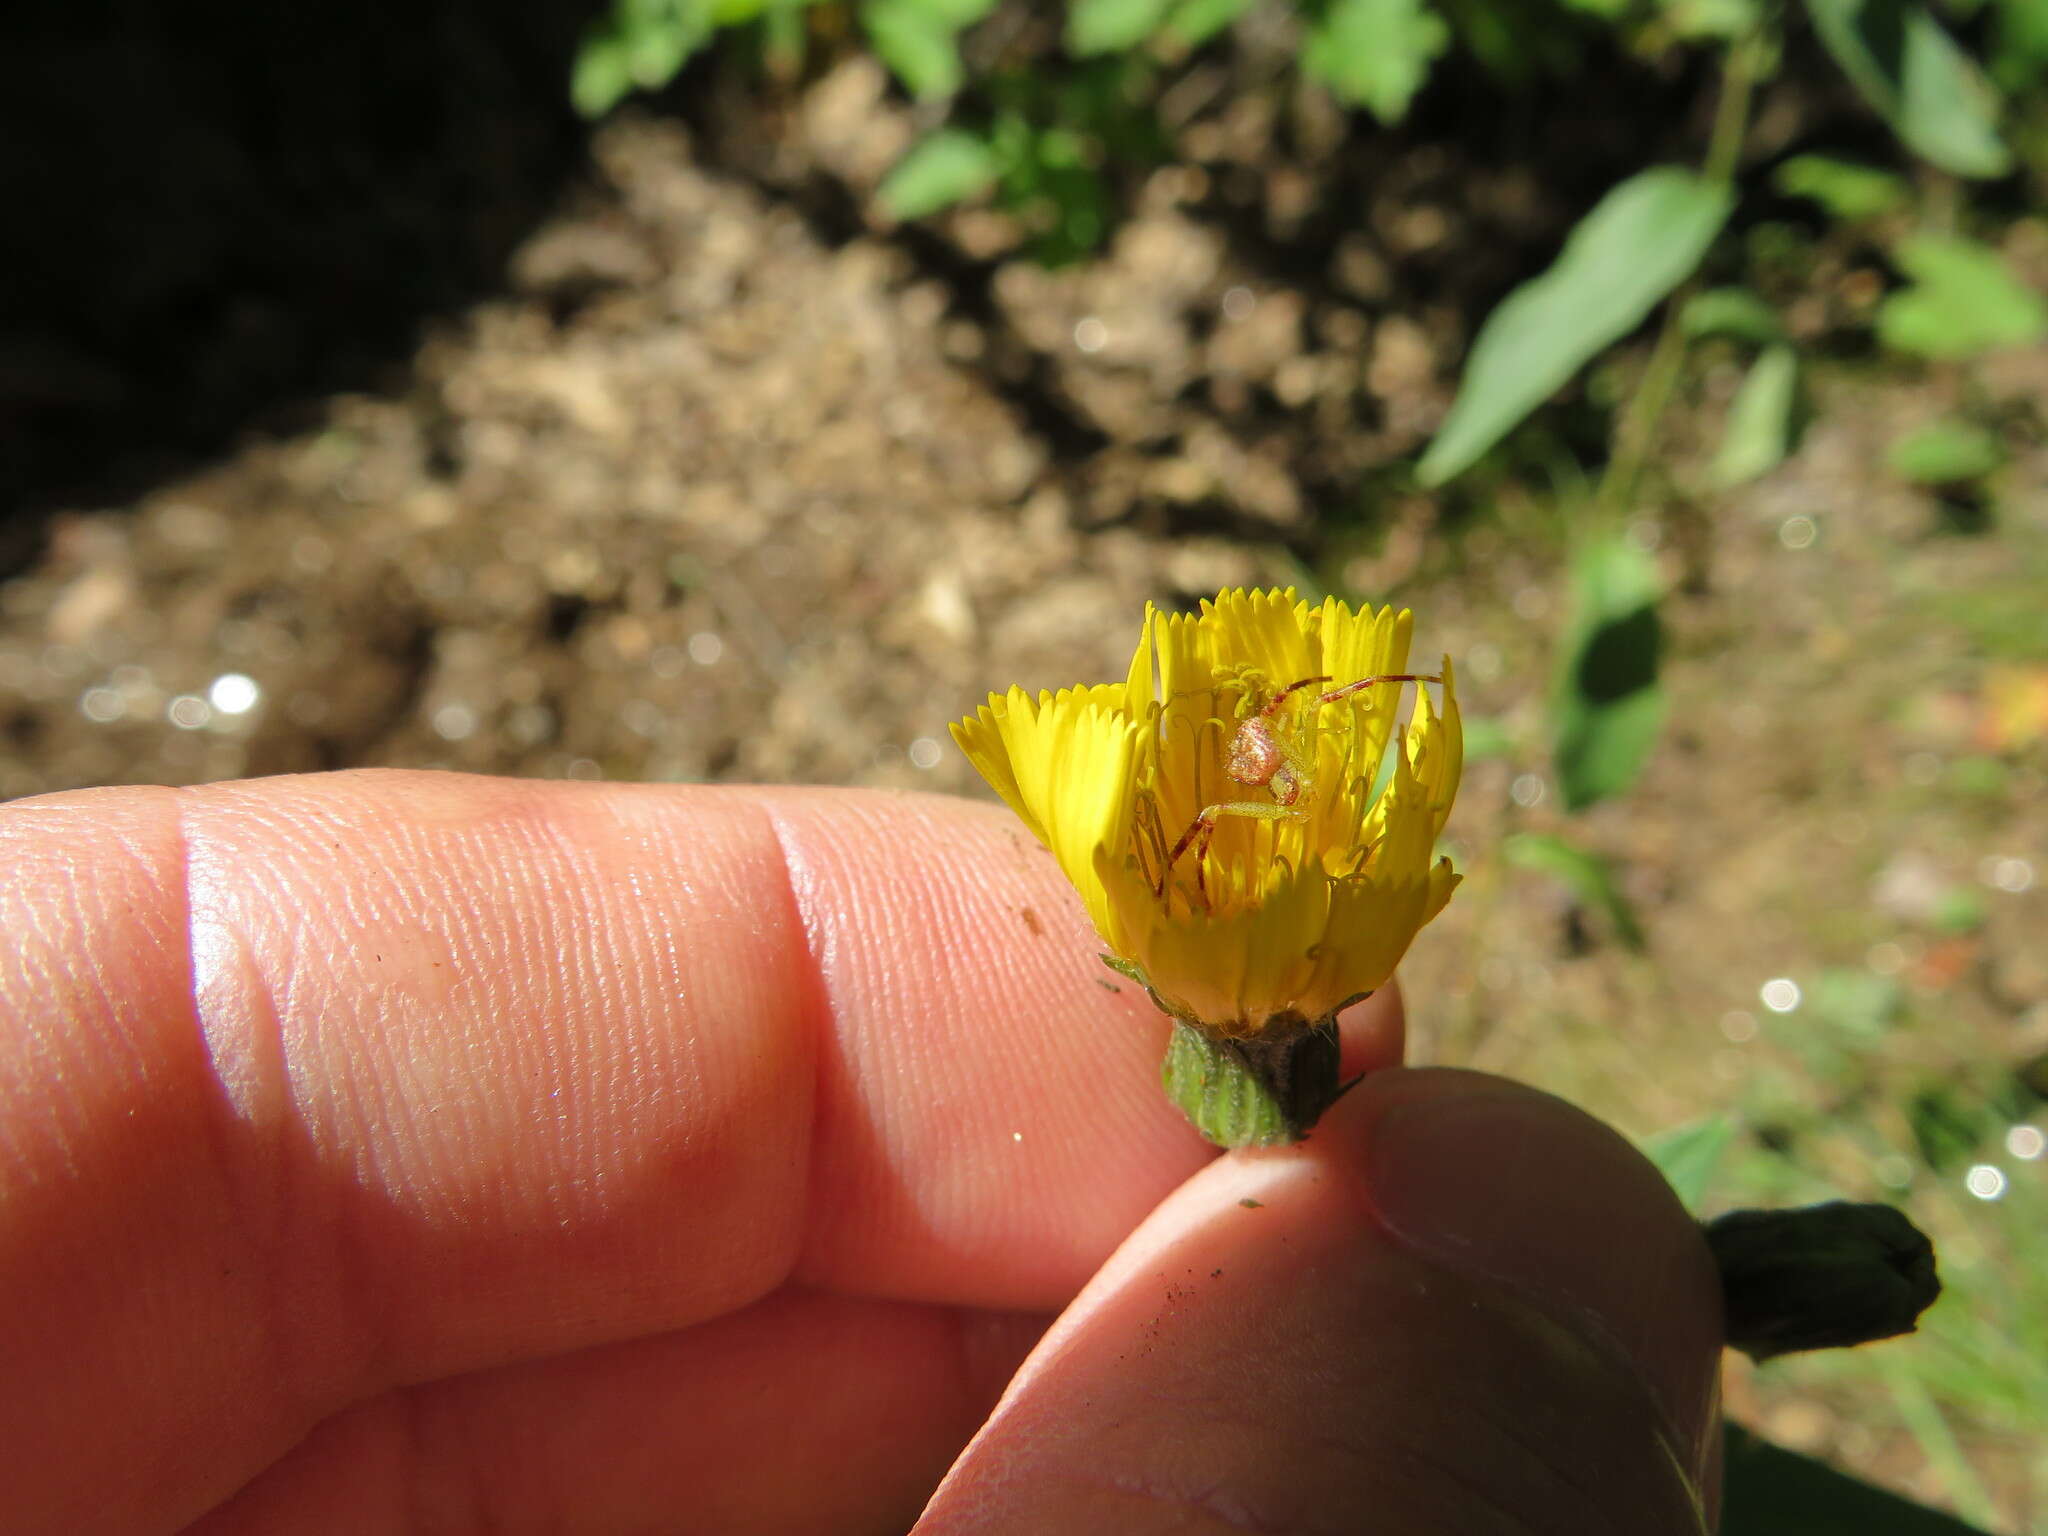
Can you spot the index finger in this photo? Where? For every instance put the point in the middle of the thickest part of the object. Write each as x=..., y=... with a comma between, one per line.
x=325, y=1084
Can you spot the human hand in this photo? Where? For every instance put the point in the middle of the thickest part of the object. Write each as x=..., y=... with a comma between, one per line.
x=407, y=1152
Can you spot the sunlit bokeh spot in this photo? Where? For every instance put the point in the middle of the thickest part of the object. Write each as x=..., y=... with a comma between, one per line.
x=188, y=712
x=234, y=693
x=1780, y=994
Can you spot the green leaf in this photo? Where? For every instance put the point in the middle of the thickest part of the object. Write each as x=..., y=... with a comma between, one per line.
x=1585, y=874
x=1688, y=1154
x=657, y=57
x=1847, y=190
x=916, y=39
x=1374, y=53
x=918, y=50
x=1947, y=452
x=1111, y=26
x=660, y=38
x=642, y=45
x=1736, y=312
x=1643, y=239
x=1194, y=22
x=953, y=15
x=1770, y=1491
x=938, y=171
x=1760, y=419
x=1964, y=300
x=2020, y=56
x=1858, y=1004
x=1909, y=69
x=1609, y=706
x=1723, y=19
x=1948, y=1125
x=1960, y=911
x=602, y=76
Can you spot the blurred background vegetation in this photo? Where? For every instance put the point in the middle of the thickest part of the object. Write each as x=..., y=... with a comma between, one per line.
x=730, y=389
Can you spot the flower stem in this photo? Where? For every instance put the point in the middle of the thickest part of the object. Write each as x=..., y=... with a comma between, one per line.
x=1638, y=428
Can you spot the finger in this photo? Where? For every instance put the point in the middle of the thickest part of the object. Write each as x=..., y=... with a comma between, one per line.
x=1373, y=1035
x=316, y=1087
x=1463, y=1307
x=804, y=1412
x=992, y=1118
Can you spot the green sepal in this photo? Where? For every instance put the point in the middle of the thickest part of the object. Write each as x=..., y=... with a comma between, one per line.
x=1264, y=1091
x=1128, y=968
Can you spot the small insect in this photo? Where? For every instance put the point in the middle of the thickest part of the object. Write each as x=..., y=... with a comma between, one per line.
x=1260, y=758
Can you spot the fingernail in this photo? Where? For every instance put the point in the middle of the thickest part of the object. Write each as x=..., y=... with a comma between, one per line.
x=1500, y=1181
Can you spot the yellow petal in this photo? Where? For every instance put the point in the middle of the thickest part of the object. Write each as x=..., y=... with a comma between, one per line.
x=982, y=738
x=1263, y=631
x=1296, y=886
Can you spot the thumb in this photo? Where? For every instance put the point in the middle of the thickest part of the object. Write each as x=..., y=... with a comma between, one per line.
x=1463, y=1306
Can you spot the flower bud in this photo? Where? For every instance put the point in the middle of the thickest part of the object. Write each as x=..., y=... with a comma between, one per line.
x=1250, y=828
x=1821, y=1276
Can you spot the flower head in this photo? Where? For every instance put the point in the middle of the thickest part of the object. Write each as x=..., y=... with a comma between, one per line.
x=1231, y=813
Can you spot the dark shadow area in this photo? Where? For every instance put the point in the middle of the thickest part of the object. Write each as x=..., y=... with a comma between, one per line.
x=214, y=213
x=1620, y=658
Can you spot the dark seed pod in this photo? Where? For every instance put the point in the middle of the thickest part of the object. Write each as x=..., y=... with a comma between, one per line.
x=1820, y=1277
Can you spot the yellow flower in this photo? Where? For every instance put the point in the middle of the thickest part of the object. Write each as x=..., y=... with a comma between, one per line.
x=1225, y=813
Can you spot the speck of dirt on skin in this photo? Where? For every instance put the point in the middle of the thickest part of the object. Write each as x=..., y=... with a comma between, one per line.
x=1252, y=1205
x=1107, y=986
x=1031, y=921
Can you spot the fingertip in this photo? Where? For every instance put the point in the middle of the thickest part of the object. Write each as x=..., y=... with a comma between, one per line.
x=989, y=1115
x=1270, y=1351
x=1519, y=1188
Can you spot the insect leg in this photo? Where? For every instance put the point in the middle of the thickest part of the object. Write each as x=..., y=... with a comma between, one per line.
x=1273, y=704
x=1366, y=682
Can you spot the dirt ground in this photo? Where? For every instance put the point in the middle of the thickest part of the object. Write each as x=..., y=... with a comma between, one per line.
x=723, y=485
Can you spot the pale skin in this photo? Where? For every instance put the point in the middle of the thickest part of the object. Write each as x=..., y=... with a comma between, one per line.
x=1262, y=756
x=417, y=1153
